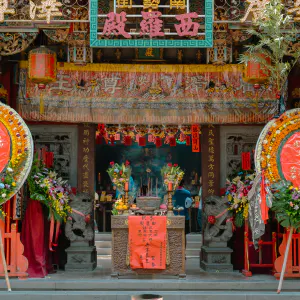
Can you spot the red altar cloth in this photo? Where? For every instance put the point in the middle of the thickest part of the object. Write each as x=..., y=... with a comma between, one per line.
x=35, y=238
x=147, y=242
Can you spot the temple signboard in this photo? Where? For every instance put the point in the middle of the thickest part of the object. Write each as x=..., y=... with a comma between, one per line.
x=151, y=25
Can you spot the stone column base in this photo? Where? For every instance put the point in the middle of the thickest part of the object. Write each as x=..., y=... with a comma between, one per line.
x=216, y=259
x=81, y=257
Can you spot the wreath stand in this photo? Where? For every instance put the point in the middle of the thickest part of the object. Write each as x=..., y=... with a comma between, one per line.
x=247, y=243
x=4, y=262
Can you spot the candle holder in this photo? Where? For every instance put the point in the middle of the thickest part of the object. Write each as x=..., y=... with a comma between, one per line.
x=126, y=197
x=170, y=204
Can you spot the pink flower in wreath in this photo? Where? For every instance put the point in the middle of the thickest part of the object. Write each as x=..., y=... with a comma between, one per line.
x=291, y=204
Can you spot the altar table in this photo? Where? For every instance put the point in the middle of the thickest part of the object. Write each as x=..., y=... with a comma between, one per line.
x=175, y=248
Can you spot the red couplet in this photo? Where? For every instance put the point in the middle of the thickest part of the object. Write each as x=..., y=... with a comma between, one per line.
x=5, y=146
x=290, y=159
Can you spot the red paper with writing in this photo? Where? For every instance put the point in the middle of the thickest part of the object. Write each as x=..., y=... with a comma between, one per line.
x=4, y=147
x=246, y=161
x=147, y=242
x=195, y=138
x=290, y=159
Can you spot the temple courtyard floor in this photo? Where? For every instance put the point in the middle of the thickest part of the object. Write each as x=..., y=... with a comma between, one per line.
x=198, y=285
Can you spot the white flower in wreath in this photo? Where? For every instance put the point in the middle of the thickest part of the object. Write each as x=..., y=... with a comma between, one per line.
x=3, y=195
x=268, y=156
x=265, y=141
x=296, y=207
x=9, y=170
x=278, y=131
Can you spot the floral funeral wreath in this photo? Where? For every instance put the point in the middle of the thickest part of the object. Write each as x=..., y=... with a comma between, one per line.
x=16, y=153
x=277, y=163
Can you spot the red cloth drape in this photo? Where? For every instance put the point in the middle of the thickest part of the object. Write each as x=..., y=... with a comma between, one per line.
x=35, y=238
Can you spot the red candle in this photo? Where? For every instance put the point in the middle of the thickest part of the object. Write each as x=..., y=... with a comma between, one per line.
x=170, y=186
x=126, y=186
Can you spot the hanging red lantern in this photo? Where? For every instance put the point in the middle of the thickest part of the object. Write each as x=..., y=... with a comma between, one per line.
x=172, y=141
x=142, y=141
x=158, y=142
x=255, y=72
x=188, y=140
x=127, y=140
x=42, y=69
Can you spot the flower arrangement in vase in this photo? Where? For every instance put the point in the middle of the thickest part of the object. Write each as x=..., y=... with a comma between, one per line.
x=51, y=190
x=172, y=175
x=120, y=175
x=237, y=194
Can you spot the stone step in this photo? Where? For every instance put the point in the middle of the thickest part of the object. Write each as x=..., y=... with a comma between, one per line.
x=194, y=237
x=103, y=251
x=192, y=252
x=193, y=245
x=103, y=244
x=192, y=263
x=104, y=262
x=166, y=295
x=103, y=237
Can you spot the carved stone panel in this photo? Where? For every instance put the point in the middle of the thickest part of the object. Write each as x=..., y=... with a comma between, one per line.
x=62, y=141
x=235, y=140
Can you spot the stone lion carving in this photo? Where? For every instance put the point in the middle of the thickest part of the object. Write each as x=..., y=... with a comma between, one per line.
x=217, y=221
x=78, y=226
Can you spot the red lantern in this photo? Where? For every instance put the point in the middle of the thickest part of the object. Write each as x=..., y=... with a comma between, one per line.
x=142, y=141
x=172, y=141
x=158, y=142
x=42, y=69
x=255, y=72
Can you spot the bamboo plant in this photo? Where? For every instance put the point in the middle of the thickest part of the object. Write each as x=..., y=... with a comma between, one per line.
x=277, y=40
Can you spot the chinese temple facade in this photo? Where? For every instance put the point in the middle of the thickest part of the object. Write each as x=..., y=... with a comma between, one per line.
x=148, y=81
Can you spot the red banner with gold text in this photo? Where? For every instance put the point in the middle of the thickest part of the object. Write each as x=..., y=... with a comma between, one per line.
x=147, y=242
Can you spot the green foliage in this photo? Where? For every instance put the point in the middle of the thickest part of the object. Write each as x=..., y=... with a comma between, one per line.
x=286, y=204
x=239, y=219
x=277, y=36
x=2, y=214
